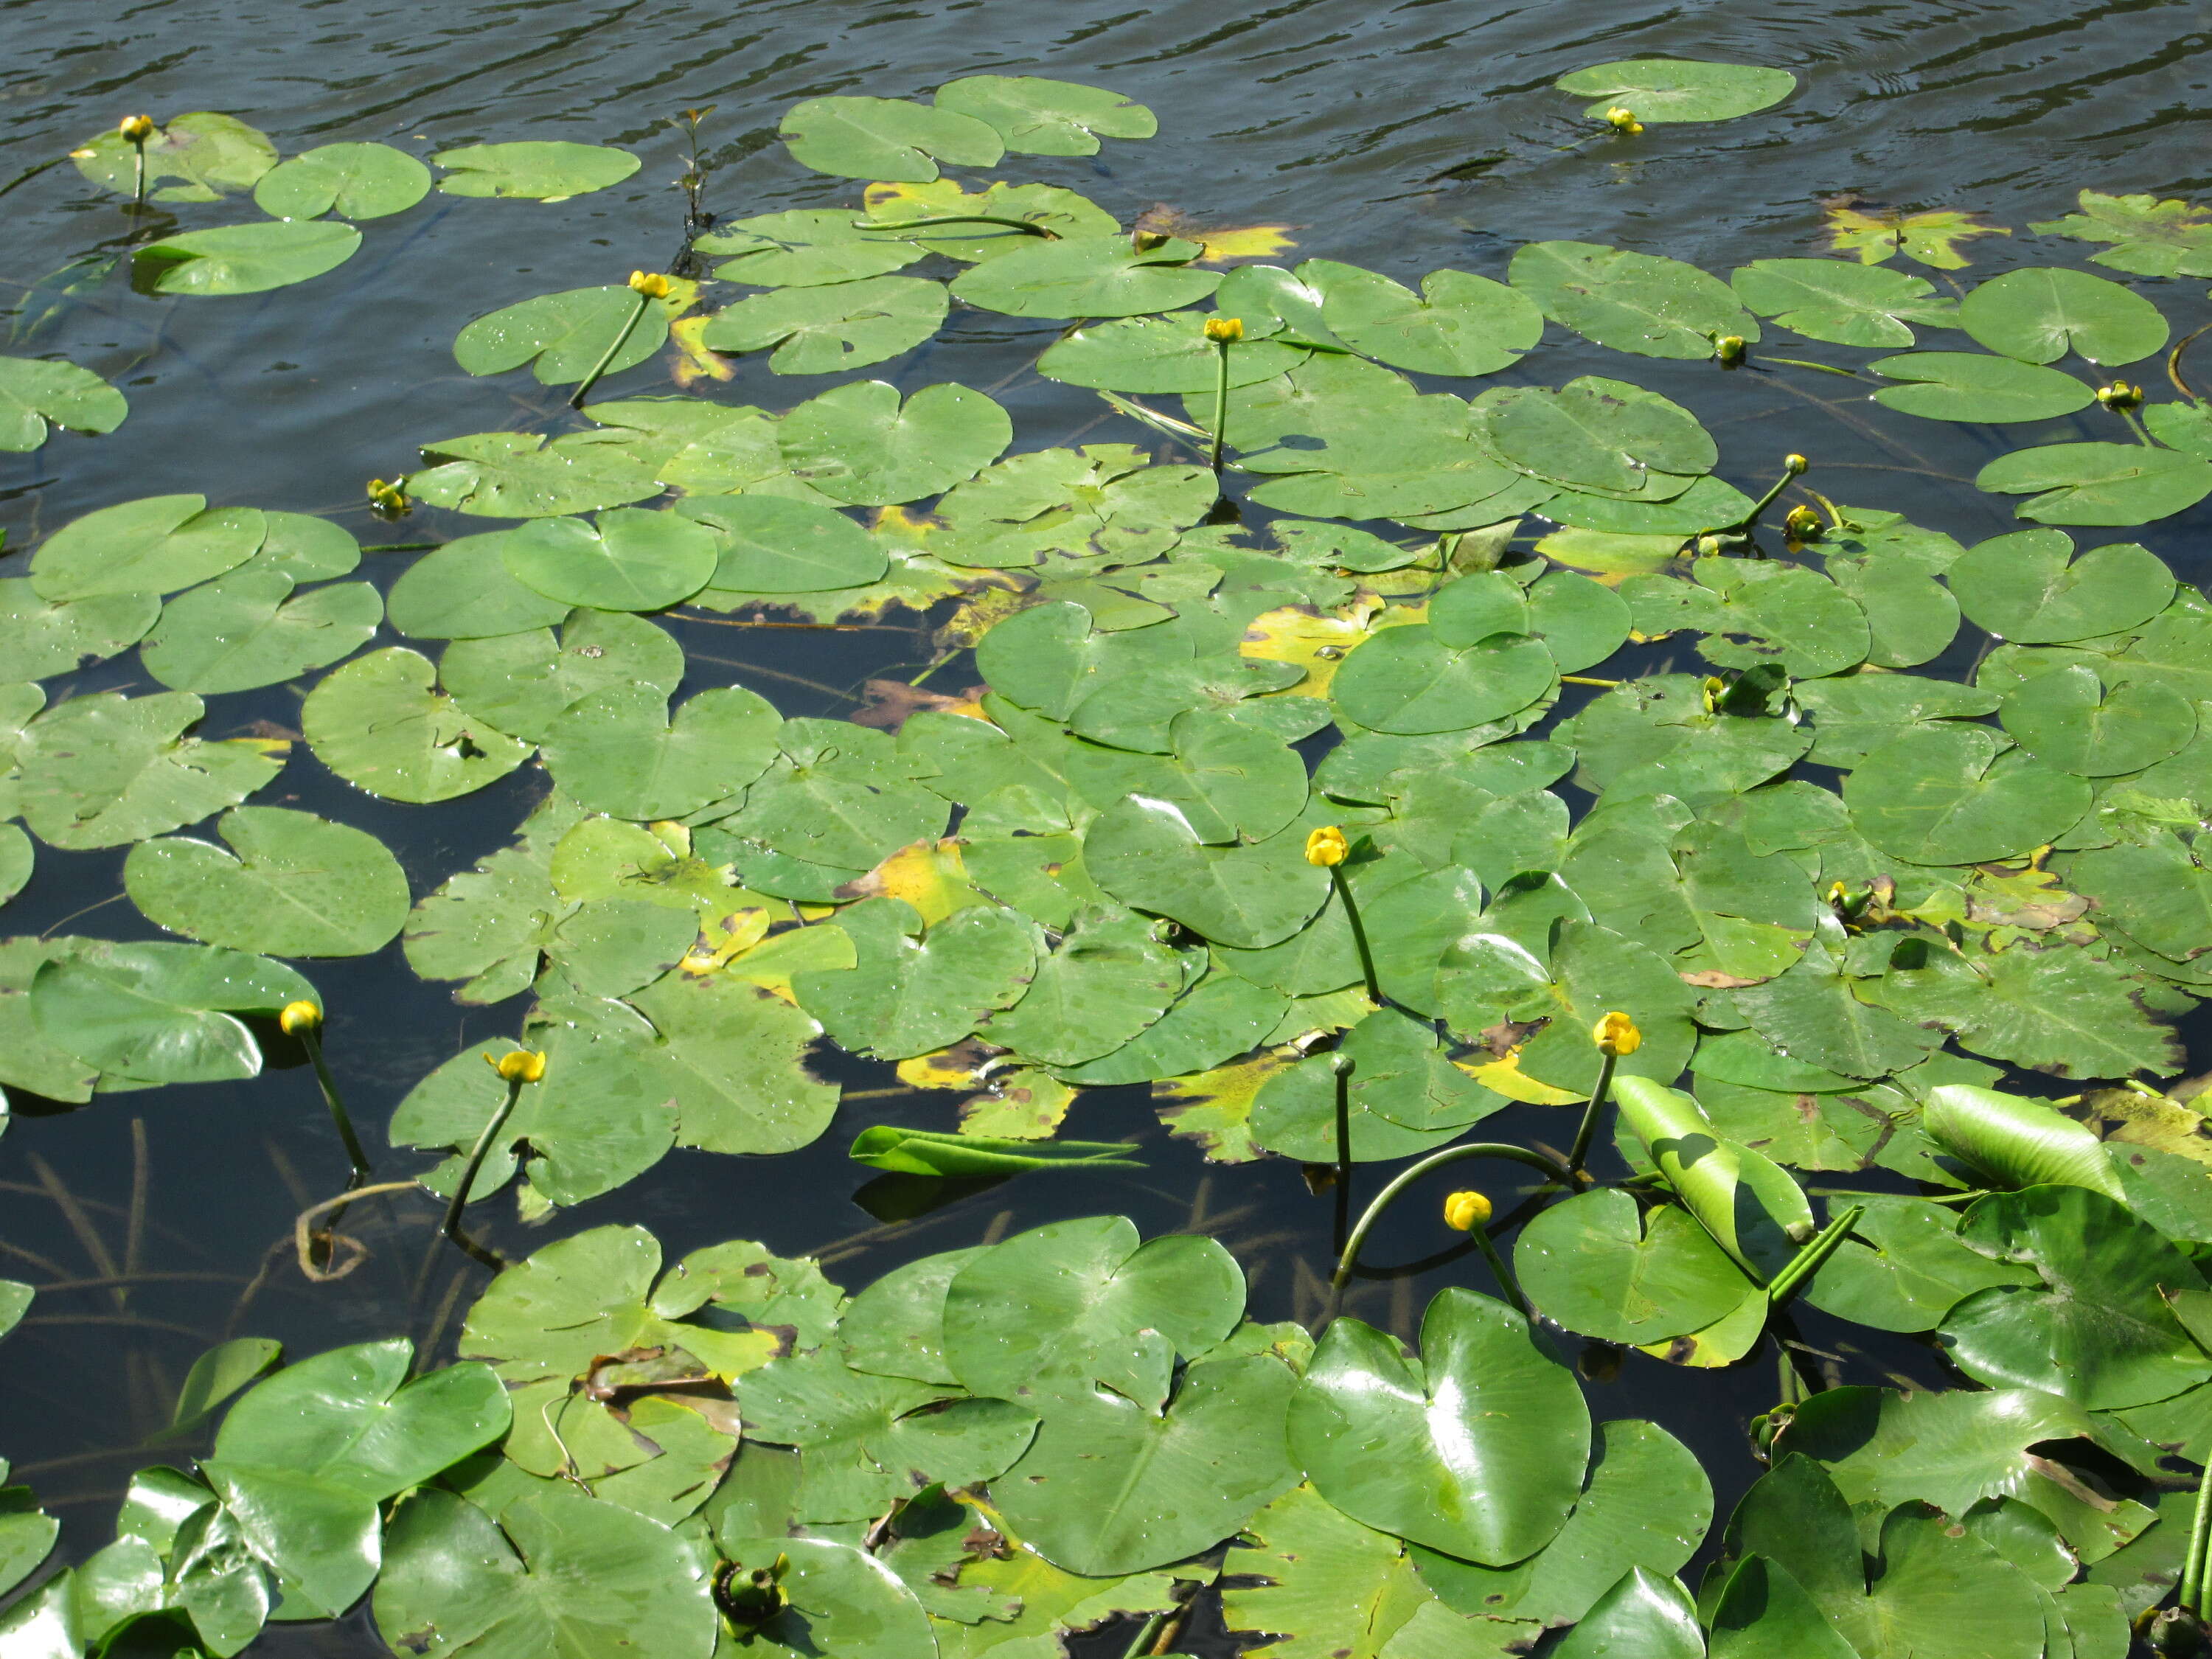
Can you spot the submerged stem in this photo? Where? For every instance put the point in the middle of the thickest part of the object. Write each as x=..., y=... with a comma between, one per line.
x=621, y=340
x=452, y=1227
x=1406, y=1178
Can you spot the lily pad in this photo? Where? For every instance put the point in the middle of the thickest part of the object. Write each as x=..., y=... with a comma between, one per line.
x=1038, y=117
x=861, y=444
x=632, y=560
x=1458, y=324
x=565, y=336
x=2099, y=483
x=155, y=545
x=355, y=181
x=380, y=723
x=42, y=637
x=773, y=544
x=886, y=138
x=243, y=258
x=250, y=628
x=1156, y=354
x=519, y=474
x=106, y=769
x=1839, y=301
x=542, y=170
x=2028, y=587
x=819, y=331
x=293, y=885
x=163, y=1012
x=1147, y=854
x=1961, y=385
x=806, y=247
x=1596, y=1267
x=1679, y=88
x=1944, y=794
x=2149, y=237
x=1634, y=302
x=35, y=395
x=909, y=994
x=2067, y=717
x=1091, y=276
x=2039, y=314
x=521, y=683
x=1407, y=680
x=621, y=752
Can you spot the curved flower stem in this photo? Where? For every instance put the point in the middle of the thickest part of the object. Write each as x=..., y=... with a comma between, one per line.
x=2191, y=1594
x=1809, y=1261
x=2172, y=358
x=1358, y=933
x=1750, y=518
x=1220, y=406
x=1588, y=1129
x=303, y=1232
x=312, y=1040
x=1407, y=1177
x=621, y=340
x=1029, y=225
x=452, y=1227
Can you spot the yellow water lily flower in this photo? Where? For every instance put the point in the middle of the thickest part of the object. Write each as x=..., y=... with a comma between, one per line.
x=298, y=1017
x=1616, y=1034
x=519, y=1065
x=137, y=128
x=1224, y=330
x=1466, y=1210
x=1327, y=847
x=650, y=284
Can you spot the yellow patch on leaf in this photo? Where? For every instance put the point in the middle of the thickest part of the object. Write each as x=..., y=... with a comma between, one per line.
x=981, y=613
x=1214, y=1108
x=1022, y=1104
x=1930, y=239
x=696, y=360
x=824, y=948
x=928, y=875
x=946, y=1068
x=722, y=941
x=1312, y=640
x=1506, y=1077
x=1224, y=244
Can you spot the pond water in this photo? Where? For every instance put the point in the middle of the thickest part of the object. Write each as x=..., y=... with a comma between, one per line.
x=1402, y=137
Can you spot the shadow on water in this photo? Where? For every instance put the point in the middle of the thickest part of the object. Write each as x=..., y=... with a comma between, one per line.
x=1401, y=136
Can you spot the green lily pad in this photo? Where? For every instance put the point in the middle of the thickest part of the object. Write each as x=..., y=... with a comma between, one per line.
x=2149, y=237
x=908, y=994
x=1038, y=117
x=886, y=138
x=355, y=181
x=1842, y=302
x=2063, y=1011
x=1600, y=435
x=1962, y=386
x=35, y=395
x=819, y=331
x=41, y=637
x=1110, y=978
x=293, y=885
x=1458, y=324
x=2028, y=587
x=521, y=683
x=556, y=1570
x=1100, y=501
x=1210, y=1459
x=2099, y=483
x=1403, y=1092
x=1156, y=355
x=214, y=154
x=2098, y=1331
x=462, y=592
x=1910, y=616
x=1903, y=1268
x=1089, y=276
x=1407, y=680
x=243, y=258
x=249, y=628
x=621, y=752
x=804, y=247
x=107, y=770
x=1634, y=302
x=2068, y=718
x=2017, y=1142
x=633, y=560
x=2156, y=893
x=958, y=1155
x=1147, y=854
x=2039, y=314
x=542, y=170
x=840, y=1598
x=155, y=545
x=380, y=723
x=862, y=444
x=773, y=544
x=1679, y=88
x=564, y=336
x=1488, y=1430
x=522, y=475
x=163, y=1012
x=1596, y=1267
x=1944, y=794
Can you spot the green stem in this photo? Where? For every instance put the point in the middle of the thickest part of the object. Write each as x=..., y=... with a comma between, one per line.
x=1588, y=1129
x=1825, y=369
x=1341, y=1065
x=2192, y=1595
x=608, y=356
x=1220, y=410
x=1030, y=226
x=1358, y=933
x=312, y=1041
x=403, y=547
x=452, y=1227
x=1764, y=502
x=1808, y=1260
x=1407, y=1177
x=2135, y=426
x=138, y=190
x=1506, y=1282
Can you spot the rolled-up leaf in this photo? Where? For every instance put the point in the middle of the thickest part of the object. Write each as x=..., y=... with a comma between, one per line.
x=1747, y=1202
x=932, y=1152
x=2017, y=1142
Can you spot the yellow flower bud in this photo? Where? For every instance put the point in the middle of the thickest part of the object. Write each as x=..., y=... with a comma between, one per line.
x=1623, y=120
x=1224, y=330
x=389, y=499
x=1326, y=847
x=1465, y=1211
x=2119, y=395
x=1728, y=348
x=1794, y=465
x=1710, y=692
x=650, y=284
x=137, y=128
x=298, y=1017
x=1803, y=523
x=1616, y=1034
x=519, y=1065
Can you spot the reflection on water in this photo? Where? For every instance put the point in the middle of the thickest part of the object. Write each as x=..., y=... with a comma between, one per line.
x=1401, y=137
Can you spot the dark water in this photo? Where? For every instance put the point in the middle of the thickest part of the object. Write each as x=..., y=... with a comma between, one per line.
x=1402, y=137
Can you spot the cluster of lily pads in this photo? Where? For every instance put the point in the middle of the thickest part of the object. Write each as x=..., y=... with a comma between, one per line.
x=1661, y=753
